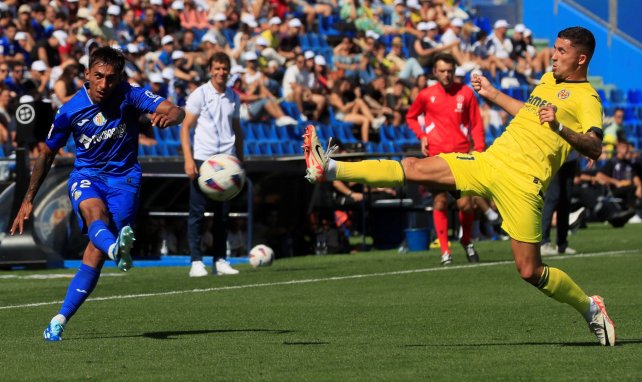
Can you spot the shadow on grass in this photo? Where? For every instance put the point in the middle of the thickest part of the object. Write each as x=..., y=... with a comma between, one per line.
x=174, y=334
x=305, y=343
x=564, y=344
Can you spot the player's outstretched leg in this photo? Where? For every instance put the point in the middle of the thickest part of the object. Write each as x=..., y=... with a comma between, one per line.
x=120, y=250
x=320, y=168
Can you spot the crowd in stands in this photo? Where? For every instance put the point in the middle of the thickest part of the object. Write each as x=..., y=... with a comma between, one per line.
x=356, y=64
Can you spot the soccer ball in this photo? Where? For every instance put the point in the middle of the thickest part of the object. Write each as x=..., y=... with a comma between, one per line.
x=221, y=177
x=261, y=256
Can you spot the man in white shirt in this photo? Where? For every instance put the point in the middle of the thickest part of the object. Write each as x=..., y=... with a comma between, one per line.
x=500, y=46
x=214, y=109
x=295, y=81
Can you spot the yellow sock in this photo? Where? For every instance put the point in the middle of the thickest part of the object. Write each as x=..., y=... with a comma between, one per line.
x=381, y=173
x=558, y=285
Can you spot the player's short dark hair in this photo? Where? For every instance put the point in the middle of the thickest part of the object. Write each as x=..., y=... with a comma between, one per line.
x=221, y=58
x=445, y=57
x=108, y=56
x=581, y=38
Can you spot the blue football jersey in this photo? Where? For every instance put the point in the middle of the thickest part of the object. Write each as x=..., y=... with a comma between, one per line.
x=106, y=134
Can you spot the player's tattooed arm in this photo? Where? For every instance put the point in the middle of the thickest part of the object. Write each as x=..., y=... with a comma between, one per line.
x=589, y=144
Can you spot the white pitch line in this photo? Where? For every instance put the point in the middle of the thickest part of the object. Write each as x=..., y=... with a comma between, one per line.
x=309, y=281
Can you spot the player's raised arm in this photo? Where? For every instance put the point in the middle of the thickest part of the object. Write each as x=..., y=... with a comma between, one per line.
x=167, y=114
x=40, y=171
x=485, y=89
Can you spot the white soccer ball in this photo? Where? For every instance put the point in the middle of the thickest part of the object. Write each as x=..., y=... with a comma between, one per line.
x=261, y=256
x=221, y=177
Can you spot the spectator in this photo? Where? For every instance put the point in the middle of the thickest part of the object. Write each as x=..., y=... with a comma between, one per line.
x=500, y=46
x=39, y=81
x=290, y=45
x=398, y=100
x=65, y=87
x=613, y=131
x=257, y=102
x=621, y=176
x=15, y=79
x=350, y=107
x=407, y=69
x=271, y=33
x=295, y=79
x=426, y=46
x=98, y=28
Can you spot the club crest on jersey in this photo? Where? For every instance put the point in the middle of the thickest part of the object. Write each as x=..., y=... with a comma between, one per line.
x=432, y=99
x=100, y=119
x=563, y=94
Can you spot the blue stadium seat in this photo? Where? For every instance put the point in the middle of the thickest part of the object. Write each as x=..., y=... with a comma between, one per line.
x=291, y=109
x=248, y=134
x=173, y=148
x=287, y=148
x=270, y=132
x=618, y=97
x=161, y=149
x=326, y=25
x=141, y=152
x=276, y=148
x=252, y=148
x=265, y=148
x=229, y=36
x=635, y=97
x=630, y=115
x=259, y=133
x=327, y=131
x=344, y=133
x=149, y=151
x=605, y=100
x=387, y=134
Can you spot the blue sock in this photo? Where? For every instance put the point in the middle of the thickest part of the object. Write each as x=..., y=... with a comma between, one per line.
x=100, y=236
x=79, y=289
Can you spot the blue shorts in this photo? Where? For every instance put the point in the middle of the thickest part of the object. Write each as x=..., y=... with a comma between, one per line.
x=119, y=193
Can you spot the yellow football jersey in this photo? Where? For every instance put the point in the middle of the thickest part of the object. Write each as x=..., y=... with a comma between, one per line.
x=533, y=148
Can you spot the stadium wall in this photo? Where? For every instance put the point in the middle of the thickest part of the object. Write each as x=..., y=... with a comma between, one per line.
x=618, y=63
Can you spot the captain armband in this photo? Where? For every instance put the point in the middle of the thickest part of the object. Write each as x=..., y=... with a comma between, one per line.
x=597, y=132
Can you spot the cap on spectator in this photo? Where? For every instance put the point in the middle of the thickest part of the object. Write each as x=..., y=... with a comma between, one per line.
x=39, y=66
x=527, y=32
x=396, y=41
x=247, y=17
x=26, y=99
x=276, y=20
x=252, y=23
x=168, y=73
x=113, y=10
x=320, y=60
x=71, y=1
x=219, y=17
x=457, y=22
x=431, y=25
x=155, y=78
x=422, y=26
x=132, y=48
x=250, y=56
x=520, y=28
x=178, y=54
x=20, y=36
x=309, y=54
x=24, y=8
x=208, y=38
x=460, y=72
x=83, y=13
x=237, y=69
x=372, y=34
x=501, y=23
x=413, y=4
x=398, y=2
x=61, y=36
x=232, y=80
x=178, y=5
x=156, y=2
x=295, y=23
x=261, y=41
x=167, y=40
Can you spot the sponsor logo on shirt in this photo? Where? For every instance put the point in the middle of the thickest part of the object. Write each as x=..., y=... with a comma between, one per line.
x=152, y=95
x=113, y=133
x=81, y=123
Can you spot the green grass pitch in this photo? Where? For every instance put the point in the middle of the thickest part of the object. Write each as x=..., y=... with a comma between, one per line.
x=376, y=316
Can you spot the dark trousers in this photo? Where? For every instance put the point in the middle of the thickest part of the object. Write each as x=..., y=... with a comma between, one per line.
x=199, y=203
x=558, y=198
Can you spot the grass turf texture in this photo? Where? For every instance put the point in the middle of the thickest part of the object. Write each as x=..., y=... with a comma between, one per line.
x=467, y=323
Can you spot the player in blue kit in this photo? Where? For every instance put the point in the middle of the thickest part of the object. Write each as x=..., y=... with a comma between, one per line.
x=104, y=185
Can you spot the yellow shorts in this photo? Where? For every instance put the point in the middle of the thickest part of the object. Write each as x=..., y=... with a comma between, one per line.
x=519, y=197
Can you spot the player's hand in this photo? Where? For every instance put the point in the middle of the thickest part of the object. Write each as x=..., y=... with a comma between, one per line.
x=160, y=120
x=23, y=214
x=424, y=145
x=191, y=170
x=357, y=196
x=547, y=114
x=482, y=86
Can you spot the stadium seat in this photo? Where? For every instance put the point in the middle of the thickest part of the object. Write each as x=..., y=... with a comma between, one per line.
x=149, y=151
x=326, y=25
x=161, y=149
x=291, y=109
x=173, y=148
x=252, y=148
x=276, y=148
x=259, y=132
x=605, y=100
x=630, y=115
x=265, y=148
x=344, y=133
x=618, y=97
x=635, y=97
x=287, y=148
x=248, y=134
x=388, y=134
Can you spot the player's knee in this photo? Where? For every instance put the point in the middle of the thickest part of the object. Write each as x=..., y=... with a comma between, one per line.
x=529, y=274
x=409, y=167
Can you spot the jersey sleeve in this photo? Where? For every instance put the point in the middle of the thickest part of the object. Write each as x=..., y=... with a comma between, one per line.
x=194, y=102
x=143, y=100
x=59, y=132
x=590, y=112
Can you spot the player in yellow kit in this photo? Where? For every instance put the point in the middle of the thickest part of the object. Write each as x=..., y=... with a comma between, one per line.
x=562, y=113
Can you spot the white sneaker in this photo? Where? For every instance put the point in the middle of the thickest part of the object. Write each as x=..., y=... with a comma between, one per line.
x=570, y=251
x=198, y=269
x=548, y=249
x=224, y=268
x=377, y=122
x=600, y=324
x=635, y=219
x=446, y=259
x=285, y=121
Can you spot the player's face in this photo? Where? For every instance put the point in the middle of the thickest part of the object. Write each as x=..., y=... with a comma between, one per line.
x=444, y=73
x=219, y=73
x=103, y=79
x=566, y=59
